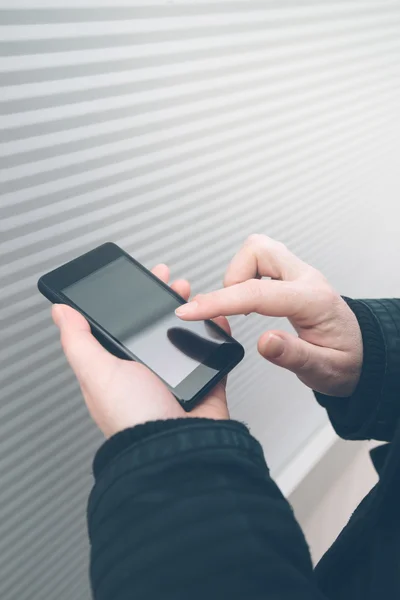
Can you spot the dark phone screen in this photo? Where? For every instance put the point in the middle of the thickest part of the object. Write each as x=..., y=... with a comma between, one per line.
x=139, y=313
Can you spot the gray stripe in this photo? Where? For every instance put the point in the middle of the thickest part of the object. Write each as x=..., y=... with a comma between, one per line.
x=104, y=92
x=48, y=16
x=120, y=217
x=82, y=69
x=297, y=156
x=74, y=44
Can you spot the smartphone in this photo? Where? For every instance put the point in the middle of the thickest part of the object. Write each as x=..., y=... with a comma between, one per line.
x=132, y=314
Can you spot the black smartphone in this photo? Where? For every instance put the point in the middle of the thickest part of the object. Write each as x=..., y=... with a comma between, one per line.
x=132, y=314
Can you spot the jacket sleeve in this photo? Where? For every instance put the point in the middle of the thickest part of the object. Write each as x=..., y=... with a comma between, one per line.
x=373, y=411
x=186, y=509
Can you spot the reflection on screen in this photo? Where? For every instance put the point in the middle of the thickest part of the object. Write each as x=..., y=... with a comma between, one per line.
x=140, y=314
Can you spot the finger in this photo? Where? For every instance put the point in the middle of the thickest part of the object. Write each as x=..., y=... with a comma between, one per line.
x=292, y=353
x=261, y=256
x=223, y=323
x=214, y=405
x=162, y=272
x=273, y=298
x=65, y=317
x=182, y=287
x=84, y=353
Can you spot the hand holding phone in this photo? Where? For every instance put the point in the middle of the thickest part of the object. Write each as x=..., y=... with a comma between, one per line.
x=132, y=314
x=120, y=393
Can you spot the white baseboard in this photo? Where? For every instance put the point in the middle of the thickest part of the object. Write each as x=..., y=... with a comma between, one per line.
x=306, y=459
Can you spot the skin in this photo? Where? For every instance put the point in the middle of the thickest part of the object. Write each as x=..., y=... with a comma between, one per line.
x=120, y=393
x=326, y=351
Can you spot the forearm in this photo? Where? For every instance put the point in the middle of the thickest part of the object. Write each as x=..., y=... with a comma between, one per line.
x=189, y=511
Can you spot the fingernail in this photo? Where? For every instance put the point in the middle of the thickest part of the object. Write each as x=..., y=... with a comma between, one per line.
x=273, y=347
x=186, y=309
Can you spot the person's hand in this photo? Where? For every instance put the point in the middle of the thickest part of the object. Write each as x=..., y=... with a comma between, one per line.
x=327, y=355
x=122, y=393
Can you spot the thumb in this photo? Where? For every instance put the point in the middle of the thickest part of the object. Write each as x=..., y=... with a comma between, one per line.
x=84, y=353
x=290, y=352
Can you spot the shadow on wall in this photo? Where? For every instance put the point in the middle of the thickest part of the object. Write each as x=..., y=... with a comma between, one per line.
x=326, y=498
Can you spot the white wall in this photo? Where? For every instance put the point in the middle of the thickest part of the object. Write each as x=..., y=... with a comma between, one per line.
x=175, y=130
x=329, y=494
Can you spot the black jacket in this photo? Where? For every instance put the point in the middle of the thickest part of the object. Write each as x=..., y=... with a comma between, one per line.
x=186, y=509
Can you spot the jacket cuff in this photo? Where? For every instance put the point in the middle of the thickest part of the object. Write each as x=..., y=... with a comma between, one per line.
x=123, y=440
x=356, y=417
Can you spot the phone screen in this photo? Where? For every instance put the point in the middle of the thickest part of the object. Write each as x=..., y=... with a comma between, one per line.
x=140, y=314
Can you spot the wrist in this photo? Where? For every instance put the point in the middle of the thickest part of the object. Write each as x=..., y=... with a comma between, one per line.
x=356, y=354
x=354, y=415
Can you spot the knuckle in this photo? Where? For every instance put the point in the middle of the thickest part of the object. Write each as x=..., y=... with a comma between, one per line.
x=207, y=301
x=279, y=245
x=328, y=294
x=254, y=291
x=278, y=248
x=264, y=242
x=256, y=239
x=316, y=275
x=322, y=298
